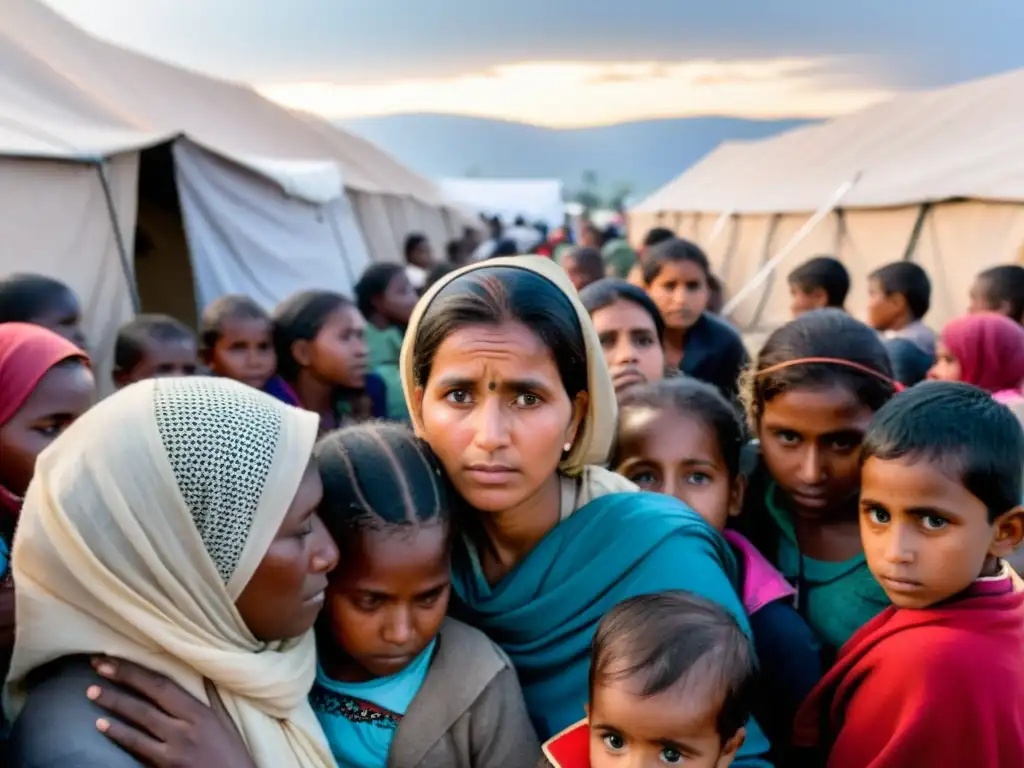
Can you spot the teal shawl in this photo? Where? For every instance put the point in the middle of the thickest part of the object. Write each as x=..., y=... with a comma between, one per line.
x=544, y=612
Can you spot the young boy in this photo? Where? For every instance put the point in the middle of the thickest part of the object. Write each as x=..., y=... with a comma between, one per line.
x=154, y=346
x=1000, y=289
x=583, y=266
x=938, y=678
x=820, y=283
x=671, y=680
x=899, y=296
x=238, y=342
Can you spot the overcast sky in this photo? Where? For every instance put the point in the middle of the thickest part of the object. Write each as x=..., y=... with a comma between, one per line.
x=572, y=62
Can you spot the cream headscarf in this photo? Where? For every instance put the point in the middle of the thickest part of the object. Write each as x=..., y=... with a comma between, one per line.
x=142, y=525
x=597, y=433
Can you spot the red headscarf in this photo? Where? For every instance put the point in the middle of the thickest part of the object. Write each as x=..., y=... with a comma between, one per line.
x=990, y=349
x=27, y=352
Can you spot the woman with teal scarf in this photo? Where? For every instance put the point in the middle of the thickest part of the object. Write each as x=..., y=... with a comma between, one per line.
x=506, y=381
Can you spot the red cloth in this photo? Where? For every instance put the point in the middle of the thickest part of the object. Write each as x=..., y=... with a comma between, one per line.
x=936, y=687
x=27, y=352
x=990, y=349
x=570, y=748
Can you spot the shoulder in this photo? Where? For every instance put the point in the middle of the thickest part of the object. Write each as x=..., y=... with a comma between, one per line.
x=470, y=649
x=58, y=698
x=721, y=329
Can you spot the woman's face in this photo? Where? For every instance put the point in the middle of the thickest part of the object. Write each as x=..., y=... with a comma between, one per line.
x=947, y=367
x=810, y=441
x=386, y=602
x=681, y=292
x=338, y=355
x=496, y=413
x=285, y=594
x=630, y=342
x=61, y=396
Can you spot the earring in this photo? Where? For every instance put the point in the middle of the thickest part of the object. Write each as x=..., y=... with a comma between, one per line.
x=567, y=447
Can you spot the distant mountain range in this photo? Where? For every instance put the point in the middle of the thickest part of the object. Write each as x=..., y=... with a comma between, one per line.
x=643, y=155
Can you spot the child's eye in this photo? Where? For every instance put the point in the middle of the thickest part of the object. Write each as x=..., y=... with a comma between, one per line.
x=933, y=522
x=644, y=479
x=613, y=742
x=698, y=478
x=368, y=603
x=786, y=437
x=844, y=444
x=879, y=516
x=671, y=756
x=458, y=397
x=526, y=400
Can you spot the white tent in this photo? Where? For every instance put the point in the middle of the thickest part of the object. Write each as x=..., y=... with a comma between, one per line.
x=535, y=200
x=937, y=177
x=99, y=144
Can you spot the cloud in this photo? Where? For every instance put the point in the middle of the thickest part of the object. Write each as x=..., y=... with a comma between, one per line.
x=565, y=94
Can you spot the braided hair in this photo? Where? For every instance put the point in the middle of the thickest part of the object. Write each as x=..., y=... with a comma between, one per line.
x=379, y=476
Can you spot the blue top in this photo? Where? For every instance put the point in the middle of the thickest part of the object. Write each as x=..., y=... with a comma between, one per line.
x=360, y=719
x=544, y=612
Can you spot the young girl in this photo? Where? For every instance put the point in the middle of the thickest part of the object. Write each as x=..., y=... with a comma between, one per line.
x=815, y=387
x=322, y=357
x=681, y=437
x=631, y=330
x=386, y=299
x=986, y=350
x=44, y=301
x=400, y=685
x=677, y=276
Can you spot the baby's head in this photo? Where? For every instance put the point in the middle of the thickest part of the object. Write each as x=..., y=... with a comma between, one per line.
x=940, y=491
x=386, y=505
x=671, y=680
x=152, y=347
x=238, y=340
x=682, y=438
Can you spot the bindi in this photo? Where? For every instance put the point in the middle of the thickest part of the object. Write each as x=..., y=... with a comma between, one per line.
x=492, y=386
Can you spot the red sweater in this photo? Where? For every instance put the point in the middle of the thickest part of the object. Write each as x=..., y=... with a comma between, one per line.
x=936, y=687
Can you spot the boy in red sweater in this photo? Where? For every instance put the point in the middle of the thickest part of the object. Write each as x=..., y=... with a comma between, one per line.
x=937, y=679
x=670, y=684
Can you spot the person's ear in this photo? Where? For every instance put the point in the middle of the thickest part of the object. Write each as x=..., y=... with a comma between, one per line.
x=579, y=412
x=736, y=495
x=819, y=298
x=1007, y=533
x=302, y=352
x=417, y=408
x=730, y=748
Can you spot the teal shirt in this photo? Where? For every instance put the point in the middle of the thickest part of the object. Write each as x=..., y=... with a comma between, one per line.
x=385, y=345
x=837, y=598
x=544, y=612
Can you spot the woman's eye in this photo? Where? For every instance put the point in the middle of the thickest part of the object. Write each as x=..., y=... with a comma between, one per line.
x=614, y=742
x=645, y=479
x=934, y=522
x=698, y=478
x=879, y=516
x=458, y=397
x=645, y=341
x=49, y=430
x=671, y=756
x=526, y=400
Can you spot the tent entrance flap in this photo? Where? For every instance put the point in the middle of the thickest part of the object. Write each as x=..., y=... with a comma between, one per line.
x=122, y=250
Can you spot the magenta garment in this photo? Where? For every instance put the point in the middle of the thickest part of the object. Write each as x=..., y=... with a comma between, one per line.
x=990, y=350
x=762, y=583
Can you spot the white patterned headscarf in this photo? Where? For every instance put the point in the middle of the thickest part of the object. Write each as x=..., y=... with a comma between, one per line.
x=143, y=524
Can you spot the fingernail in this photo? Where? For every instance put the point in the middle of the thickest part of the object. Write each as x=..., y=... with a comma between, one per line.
x=93, y=692
x=106, y=669
x=102, y=726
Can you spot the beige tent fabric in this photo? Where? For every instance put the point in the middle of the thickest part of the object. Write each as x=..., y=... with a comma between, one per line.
x=594, y=442
x=143, y=524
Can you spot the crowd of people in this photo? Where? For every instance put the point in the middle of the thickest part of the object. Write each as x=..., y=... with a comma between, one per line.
x=512, y=509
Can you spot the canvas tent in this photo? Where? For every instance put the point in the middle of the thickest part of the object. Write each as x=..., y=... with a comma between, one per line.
x=936, y=177
x=140, y=183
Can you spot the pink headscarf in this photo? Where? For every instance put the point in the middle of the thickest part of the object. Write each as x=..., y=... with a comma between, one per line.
x=27, y=352
x=990, y=349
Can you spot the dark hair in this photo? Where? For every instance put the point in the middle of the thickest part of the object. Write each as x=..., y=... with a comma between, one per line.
x=373, y=283
x=910, y=363
x=301, y=317
x=674, y=640
x=453, y=250
x=1005, y=284
x=588, y=261
x=959, y=427
x=135, y=335
x=825, y=273
x=234, y=306
x=658, y=235
x=506, y=246
x=672, y=252
x=378, y=476
x=438, y=271
x=412, y=242
x=24, y=297
x=609, y=290
x=694, y=398
x=909, y=280
x=829, y=333
x=497, y=295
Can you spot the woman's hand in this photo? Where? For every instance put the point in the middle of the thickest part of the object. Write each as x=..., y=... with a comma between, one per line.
x=163, y=725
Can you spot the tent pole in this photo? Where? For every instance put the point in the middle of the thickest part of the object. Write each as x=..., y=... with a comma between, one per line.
x=122, y=249
x=765, y=272
x=915, y=233
x=769, y=237
x=719, y=226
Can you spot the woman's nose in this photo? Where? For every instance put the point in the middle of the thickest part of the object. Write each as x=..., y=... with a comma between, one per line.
x=491, y=425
